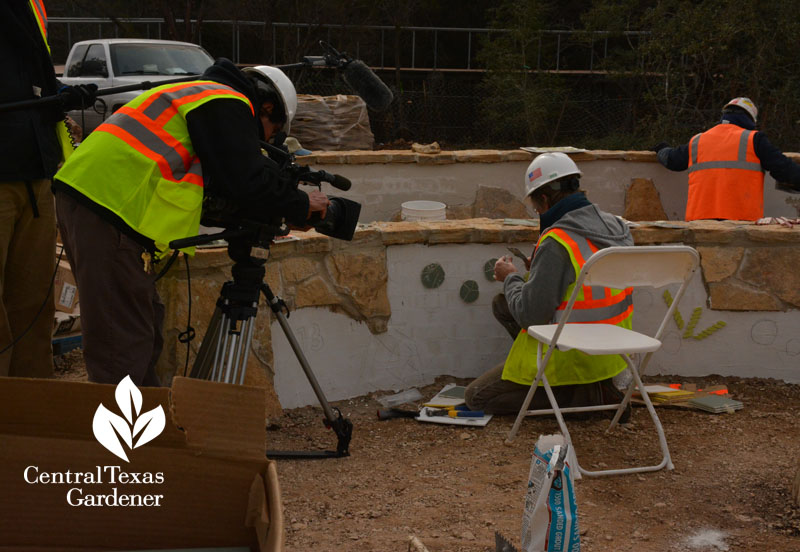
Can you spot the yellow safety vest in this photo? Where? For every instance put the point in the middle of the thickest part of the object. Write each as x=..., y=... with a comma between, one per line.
x=62, y=132
x=594, y=304
x=140, y=163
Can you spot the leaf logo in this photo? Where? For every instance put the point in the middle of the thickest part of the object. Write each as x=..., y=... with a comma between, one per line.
x=111, y=430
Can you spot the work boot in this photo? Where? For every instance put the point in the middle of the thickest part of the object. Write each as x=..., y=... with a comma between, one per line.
x=611, y=395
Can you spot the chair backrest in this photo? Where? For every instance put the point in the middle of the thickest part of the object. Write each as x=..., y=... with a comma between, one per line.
x=656, y=265
x=646, y=265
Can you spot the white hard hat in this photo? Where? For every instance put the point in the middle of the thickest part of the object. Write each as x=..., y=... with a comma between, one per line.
x=548, y=167
x=282, y=84
x=746, y=104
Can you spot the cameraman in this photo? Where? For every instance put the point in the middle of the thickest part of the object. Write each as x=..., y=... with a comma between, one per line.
x=137, y=183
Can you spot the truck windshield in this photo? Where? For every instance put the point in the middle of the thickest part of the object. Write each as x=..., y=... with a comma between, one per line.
x=159, y=59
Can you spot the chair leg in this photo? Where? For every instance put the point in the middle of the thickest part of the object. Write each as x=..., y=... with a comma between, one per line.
x=662, y=439
x=628, y=394
x=523, y=411
x=561, y=423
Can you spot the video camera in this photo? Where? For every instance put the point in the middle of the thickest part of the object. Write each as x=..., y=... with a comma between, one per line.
x=341, y=217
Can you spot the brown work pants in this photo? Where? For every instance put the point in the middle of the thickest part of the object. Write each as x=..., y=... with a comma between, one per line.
x=121, y=313
x=27, y=264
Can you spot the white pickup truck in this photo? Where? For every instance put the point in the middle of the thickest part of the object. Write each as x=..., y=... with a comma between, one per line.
x=112, y=62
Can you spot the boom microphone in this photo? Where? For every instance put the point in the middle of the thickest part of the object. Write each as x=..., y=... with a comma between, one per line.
x=366, y=84
x=335, y=180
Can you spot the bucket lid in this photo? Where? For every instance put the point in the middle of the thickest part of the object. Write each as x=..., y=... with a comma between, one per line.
x=423, y=205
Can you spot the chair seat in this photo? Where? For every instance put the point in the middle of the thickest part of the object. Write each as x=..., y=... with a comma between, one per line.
x=596, y=339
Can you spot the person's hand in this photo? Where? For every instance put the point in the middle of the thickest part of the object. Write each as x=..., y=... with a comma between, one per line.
x=658, y=147
x=80, y=96
x=317, y=204
x=503, y=267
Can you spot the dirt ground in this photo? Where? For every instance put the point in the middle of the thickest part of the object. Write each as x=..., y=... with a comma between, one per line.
x=454, y=487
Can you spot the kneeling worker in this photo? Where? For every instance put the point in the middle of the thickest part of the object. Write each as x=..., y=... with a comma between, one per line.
x=571, y=229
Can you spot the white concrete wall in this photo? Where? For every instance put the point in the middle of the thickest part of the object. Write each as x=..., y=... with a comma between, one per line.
x=433, y=332
x=382, y=188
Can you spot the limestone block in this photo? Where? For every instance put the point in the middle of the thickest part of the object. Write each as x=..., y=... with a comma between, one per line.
x=772, y=233
x=714, y=231
x=456, y=233
x=273, y=277
x=583, y=156
x=478, y=156
x=603, y=154
x=297, y=269
x=735, y=296
x=774, y=269
x=642, y=201
x=402, y=156
x=444, y=158
x=363, y=277
x=402, y=233
x=640, y=156
x=492, y=202
x=315, y=292
x=369, y=159
x=719, y=262
x=516, y=155
x=311, y=242
x=459, y=212
x=656, y=235
x=331, y=158
x=369, y=236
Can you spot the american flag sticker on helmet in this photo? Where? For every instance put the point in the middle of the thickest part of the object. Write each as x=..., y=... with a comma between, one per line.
x=535, y=174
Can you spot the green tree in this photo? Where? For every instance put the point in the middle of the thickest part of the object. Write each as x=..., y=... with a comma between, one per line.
x=518, y=103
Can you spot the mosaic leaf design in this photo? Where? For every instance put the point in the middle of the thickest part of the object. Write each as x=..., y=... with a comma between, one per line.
x=432, y=276
x=469, y=291
x=488, y=269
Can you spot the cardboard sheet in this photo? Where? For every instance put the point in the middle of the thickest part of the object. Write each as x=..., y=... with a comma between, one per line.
x=203, y=481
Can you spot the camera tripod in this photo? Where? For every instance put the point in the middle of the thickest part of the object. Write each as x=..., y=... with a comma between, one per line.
x=225, y=347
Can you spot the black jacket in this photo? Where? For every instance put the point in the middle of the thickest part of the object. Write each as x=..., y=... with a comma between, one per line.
x=779, y=166
x=225, y=137
x=29, y=149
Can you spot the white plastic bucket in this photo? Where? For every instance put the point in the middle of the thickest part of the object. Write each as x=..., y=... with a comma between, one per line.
x=423, y=210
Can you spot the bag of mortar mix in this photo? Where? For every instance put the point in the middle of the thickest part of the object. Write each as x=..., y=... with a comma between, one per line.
x=550, y=518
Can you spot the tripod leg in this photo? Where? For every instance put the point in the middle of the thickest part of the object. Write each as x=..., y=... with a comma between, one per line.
x=202, y=362
x=301, y=357
x=251, y=323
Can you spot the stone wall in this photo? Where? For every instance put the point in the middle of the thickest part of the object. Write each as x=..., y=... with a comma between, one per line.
x=373, y=289
x=383, y=180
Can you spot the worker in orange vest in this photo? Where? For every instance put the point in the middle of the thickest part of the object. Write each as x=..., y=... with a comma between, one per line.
x=726, y=166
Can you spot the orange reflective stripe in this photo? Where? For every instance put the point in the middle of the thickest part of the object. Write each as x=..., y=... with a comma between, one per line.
x=168, y=114
x=604, y=302
x=126, y=137
x=573, y=245
x=162, y=134
x=41, y=17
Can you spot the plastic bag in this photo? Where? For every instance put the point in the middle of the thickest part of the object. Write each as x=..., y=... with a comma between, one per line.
x=550, y=517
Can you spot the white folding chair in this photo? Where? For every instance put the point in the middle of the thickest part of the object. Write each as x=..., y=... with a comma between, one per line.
x=614, y=267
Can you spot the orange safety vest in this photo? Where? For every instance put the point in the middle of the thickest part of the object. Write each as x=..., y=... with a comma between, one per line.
x=41, y=19
x=594, y=305
x=726, y=180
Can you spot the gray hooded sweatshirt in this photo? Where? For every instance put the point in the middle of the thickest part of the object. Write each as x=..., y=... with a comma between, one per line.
x=535, y=301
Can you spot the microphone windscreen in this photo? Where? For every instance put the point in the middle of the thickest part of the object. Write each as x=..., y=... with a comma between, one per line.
x=341, y=182
x=366, y=84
